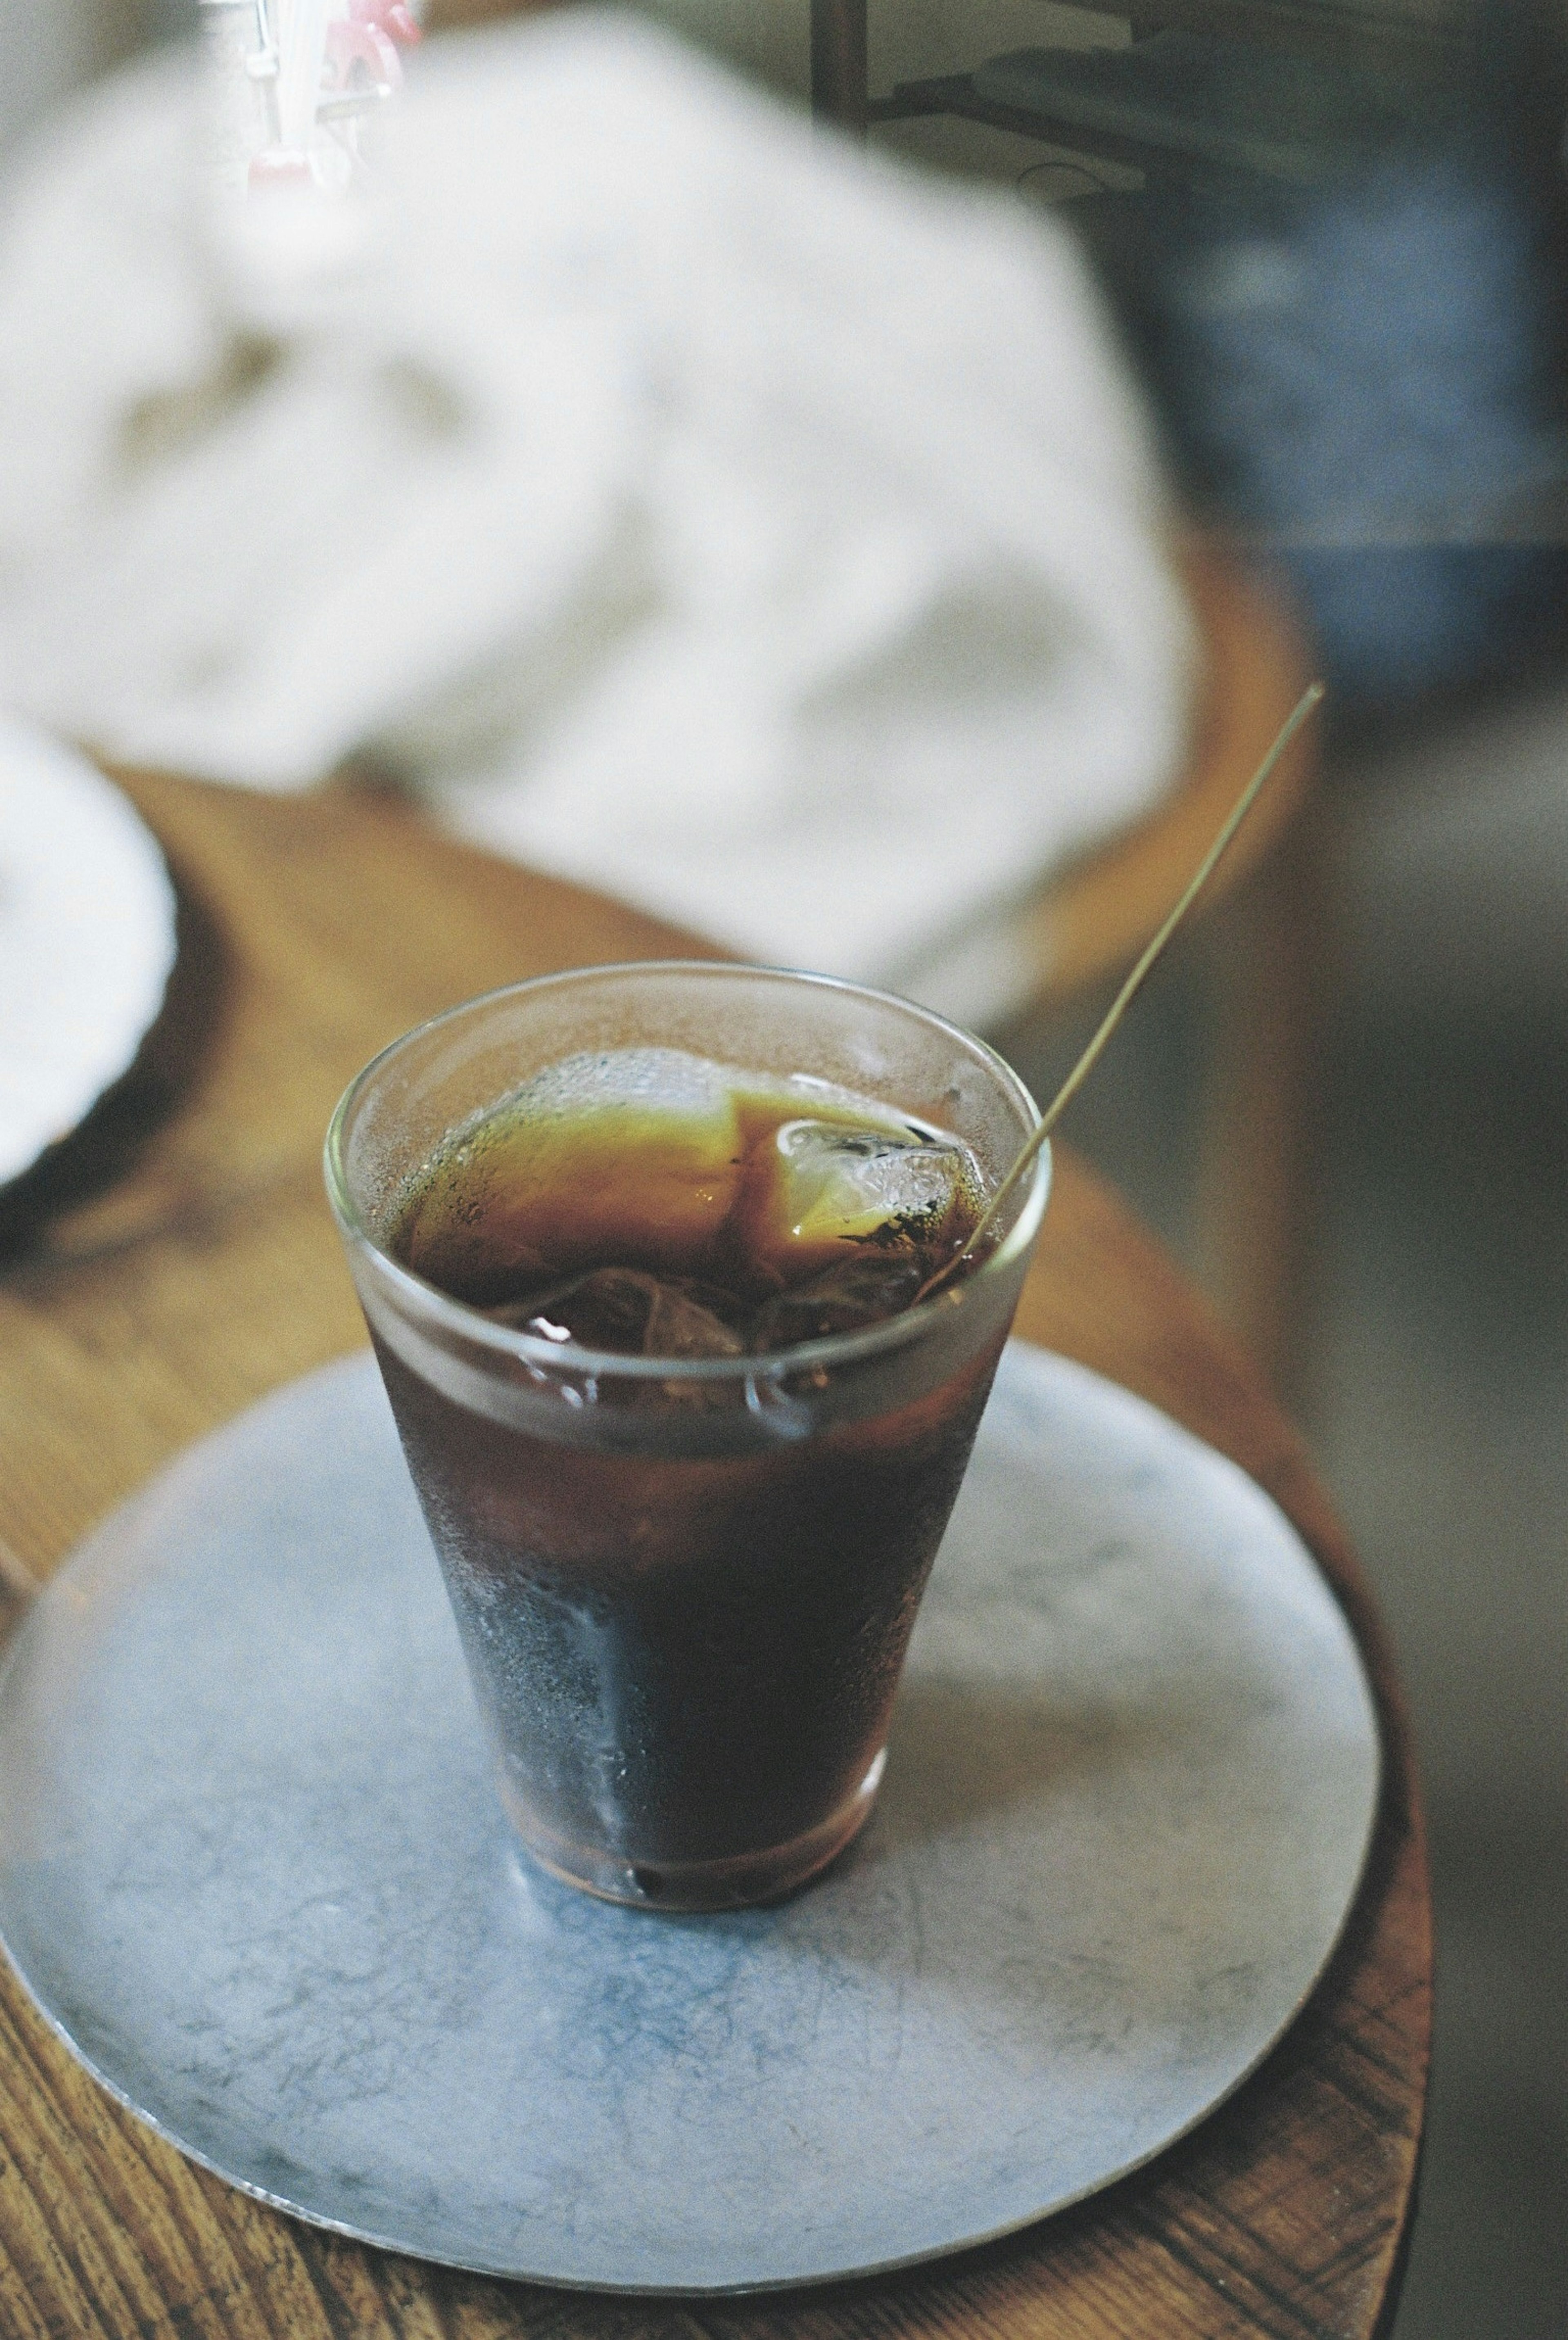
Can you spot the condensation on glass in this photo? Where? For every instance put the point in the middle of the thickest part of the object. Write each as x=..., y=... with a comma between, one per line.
x=684, y=1586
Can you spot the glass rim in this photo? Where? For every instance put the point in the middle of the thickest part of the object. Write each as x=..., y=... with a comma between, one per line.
x=567, y=1357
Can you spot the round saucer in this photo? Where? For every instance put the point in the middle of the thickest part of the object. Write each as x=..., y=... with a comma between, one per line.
x=253, y=1869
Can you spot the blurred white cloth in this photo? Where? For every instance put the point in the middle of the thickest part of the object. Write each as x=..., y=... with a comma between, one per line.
x=678, y=500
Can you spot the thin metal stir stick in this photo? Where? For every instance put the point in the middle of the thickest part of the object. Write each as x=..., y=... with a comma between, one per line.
x=1126, y=995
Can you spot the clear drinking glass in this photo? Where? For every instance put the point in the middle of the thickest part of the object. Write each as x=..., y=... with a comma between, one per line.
x=684, y=1587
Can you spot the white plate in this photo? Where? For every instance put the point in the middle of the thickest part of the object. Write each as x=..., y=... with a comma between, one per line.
x=252, y=1867
x=87, y=940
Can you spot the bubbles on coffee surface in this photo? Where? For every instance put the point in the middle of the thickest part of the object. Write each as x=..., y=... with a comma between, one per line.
x=651, y=1202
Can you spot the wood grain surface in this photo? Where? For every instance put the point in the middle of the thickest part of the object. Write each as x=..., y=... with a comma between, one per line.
x=1091, y=920
x=177, y=1260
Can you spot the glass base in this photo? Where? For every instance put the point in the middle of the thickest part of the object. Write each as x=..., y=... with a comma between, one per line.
x=738, y=1883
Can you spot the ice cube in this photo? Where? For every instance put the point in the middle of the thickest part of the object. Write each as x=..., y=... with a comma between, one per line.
x=863, y=1289
x=633, y=1314
x=635, y=1151
x=893, y=1188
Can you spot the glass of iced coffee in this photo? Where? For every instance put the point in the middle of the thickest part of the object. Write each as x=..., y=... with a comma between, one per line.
x=643, y=1251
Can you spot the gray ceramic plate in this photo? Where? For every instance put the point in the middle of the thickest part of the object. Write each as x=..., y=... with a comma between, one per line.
x=253, y=1869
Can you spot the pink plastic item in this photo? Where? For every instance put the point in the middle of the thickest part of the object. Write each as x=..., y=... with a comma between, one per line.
x=281, y=166
x=359, y=57
x=392, y=18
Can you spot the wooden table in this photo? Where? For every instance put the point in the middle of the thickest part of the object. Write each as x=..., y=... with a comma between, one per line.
x=195, y=1267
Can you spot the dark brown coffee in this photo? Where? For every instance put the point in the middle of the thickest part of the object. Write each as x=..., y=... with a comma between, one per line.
x=651, y=1202
x=688, y=1657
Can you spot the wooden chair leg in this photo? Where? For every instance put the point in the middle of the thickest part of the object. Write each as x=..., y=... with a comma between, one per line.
x=1256, y=1190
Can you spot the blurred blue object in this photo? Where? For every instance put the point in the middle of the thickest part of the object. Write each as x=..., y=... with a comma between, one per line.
x=1363, y=374
x=1396, y=622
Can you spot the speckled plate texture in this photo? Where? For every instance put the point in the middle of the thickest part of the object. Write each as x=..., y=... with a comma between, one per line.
x=253, y=1869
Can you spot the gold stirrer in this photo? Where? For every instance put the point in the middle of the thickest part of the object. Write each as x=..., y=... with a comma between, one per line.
x=1127, y=994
